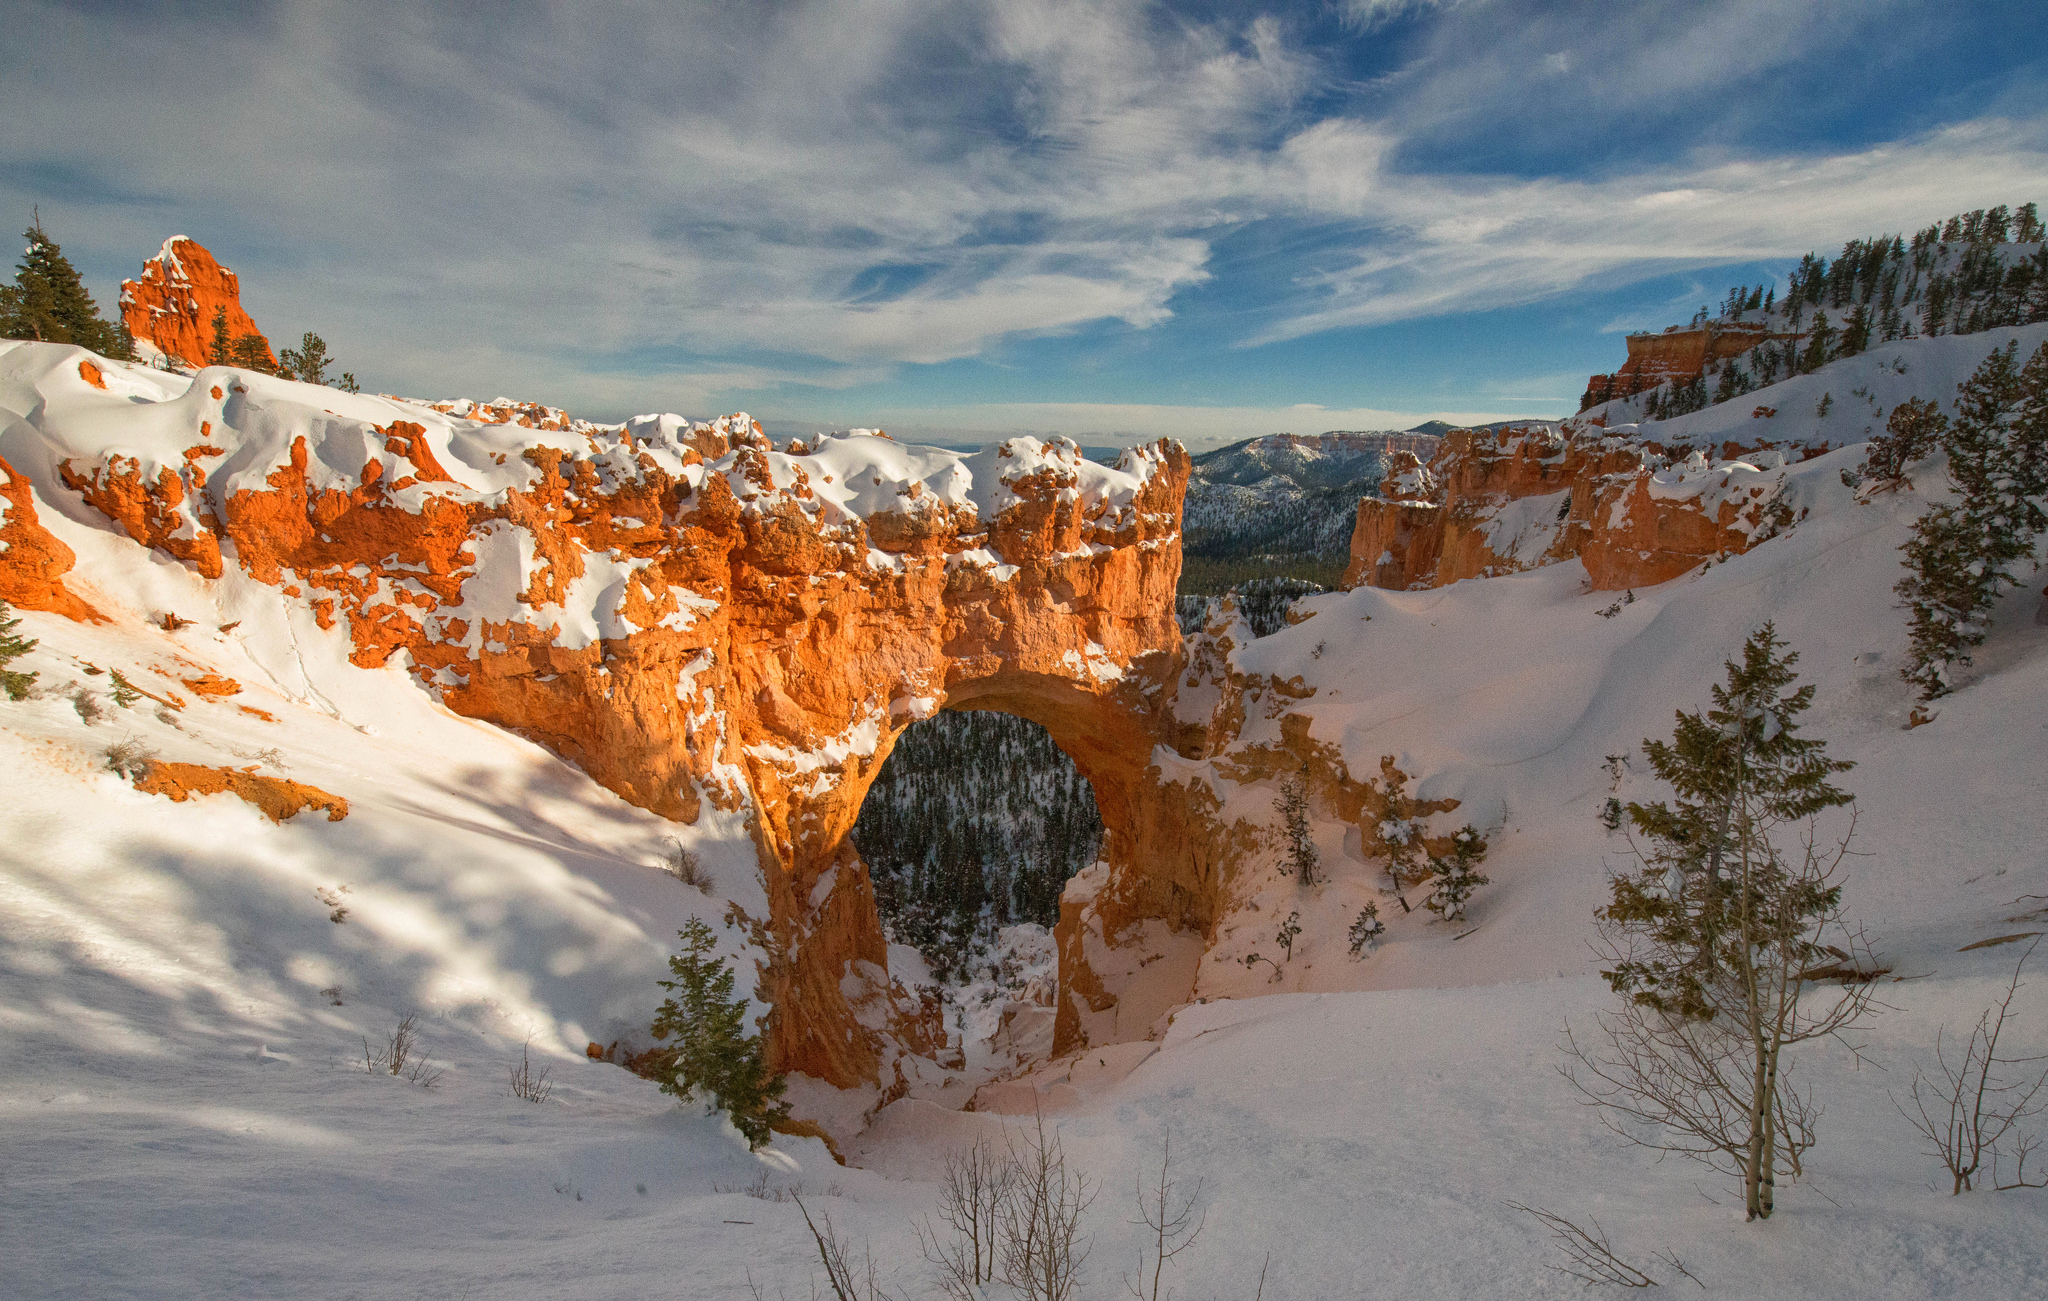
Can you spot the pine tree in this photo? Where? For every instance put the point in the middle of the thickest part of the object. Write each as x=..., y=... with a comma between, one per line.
x=250, y=353
x=1400, y=832
x=1961, y=556
x=1292, y=806
x=1455, y=876
x=13, y=645
x=1366, y=930
x=712, y=1055
x=1819, y=345
x=308, y=362
x=48, y=302
x=1711, y=937
x=2027, y=223
x=1912, y=431
x=222, y=353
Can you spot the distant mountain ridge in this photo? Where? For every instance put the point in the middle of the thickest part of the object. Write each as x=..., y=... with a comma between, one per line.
x=1286, y=501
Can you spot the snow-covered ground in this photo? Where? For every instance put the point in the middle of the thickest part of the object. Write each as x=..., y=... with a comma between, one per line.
x=183, y=1112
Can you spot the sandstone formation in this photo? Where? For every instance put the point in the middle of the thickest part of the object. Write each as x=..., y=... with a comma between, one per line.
x=171, y=307
x=33, y=562
x=1676, y=354
x=702, y=618
x=1634, y=512
x=275, y=797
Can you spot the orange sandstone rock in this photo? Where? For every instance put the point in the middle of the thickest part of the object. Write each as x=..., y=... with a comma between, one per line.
x=1617, y=509
x=33, y=561
x=173, y=304
x=277, y=798
x=212, y=686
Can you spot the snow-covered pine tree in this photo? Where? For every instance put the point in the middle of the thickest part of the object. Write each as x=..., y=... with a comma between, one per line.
x=13, y=645
x=1961, y=556
x=1912, y=431
x=711, y=1050
x=1400, y=832
x=1366, y=930
x=1711, y=937
x=1456, y=875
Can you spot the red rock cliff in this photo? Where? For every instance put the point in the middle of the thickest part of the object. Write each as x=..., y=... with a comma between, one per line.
x=172, y=305
x=689, y=612
x=1675, y=355
x=1634, y=512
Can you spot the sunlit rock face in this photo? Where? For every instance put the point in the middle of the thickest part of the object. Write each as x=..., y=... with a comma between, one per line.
x=693, y=614
x=1634, y=511
x=170, y=309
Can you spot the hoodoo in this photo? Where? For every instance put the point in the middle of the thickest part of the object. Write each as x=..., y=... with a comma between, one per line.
x=171, y=308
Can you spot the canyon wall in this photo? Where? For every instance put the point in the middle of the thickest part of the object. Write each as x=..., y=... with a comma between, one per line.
x=689, y=611
x=171, y=307
x=1633, y=511
x=1676, y=354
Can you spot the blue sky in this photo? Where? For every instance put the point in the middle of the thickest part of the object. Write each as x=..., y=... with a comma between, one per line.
x=1110, y=220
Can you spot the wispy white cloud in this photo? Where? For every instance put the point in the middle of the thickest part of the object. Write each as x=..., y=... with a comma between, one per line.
x=1111, y=423
x=664, y=204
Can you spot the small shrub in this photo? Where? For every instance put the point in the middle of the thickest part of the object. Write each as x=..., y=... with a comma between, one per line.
x=125, y=692
x=684, y=865
x=88, y=705
x=525, y=1084
x=130, y=757
x=403, y=1055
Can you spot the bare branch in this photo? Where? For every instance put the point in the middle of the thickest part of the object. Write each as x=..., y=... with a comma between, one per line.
x=1588, y=1256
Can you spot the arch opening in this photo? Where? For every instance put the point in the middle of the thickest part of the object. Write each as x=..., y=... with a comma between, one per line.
x=974, y=824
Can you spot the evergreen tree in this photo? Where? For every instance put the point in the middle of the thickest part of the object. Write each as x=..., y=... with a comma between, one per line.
x=222, y=352
x=1912, y=431
x=250, y=353
x=48, y=302
x=712, y=1055
x=1961, y=556
x=1292, y=806
x=1366, y=930
x=13, y=645
x=2028, y=224
x=1819, y=346
x=1710, y=938
x=308, y=362
x=1455, y=876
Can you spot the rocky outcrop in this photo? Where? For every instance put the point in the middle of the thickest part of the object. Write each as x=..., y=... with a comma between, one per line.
x=1497, y=502
x=703, y=618
x=1676, y=354
x=689, y=611
x=275, y=797
x=33, y=562
x=171, y=308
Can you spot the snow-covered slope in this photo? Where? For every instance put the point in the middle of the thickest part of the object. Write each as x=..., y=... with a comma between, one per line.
x=183, y=1114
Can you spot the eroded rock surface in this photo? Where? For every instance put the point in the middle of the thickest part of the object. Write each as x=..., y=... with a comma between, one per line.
x=171, y=307
x=1633, y=510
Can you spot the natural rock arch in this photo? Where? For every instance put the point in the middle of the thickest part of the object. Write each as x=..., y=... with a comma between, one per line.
x=696, y=616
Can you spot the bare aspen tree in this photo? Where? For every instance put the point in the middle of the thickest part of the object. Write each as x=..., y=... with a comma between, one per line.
x=1716, y=941
x=972, y=1192
x=1974, y=1110
x=1042, y=1246
x=1170, y=1222
x=851, y=1279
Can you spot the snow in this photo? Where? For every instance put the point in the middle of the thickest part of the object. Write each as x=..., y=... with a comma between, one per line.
x=185, y=1114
